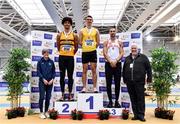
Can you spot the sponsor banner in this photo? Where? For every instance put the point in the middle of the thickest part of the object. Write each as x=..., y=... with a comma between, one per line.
x=41, y=40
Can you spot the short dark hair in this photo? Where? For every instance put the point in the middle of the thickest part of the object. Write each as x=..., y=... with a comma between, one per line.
x=67, y=19
x=89, y=16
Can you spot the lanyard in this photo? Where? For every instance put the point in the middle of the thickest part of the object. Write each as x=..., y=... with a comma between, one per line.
x=89, y=31
x=66, y=34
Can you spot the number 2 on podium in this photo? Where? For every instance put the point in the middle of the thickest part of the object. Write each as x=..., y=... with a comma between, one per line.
x=66, y=107
x=91, y=101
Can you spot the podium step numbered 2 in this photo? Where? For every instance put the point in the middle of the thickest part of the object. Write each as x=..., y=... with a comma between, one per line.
x=86, y=102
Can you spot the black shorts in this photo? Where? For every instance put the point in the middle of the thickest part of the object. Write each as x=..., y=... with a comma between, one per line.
x=89, y=57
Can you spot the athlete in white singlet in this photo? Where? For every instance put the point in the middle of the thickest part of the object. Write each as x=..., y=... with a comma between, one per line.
x=113, y=52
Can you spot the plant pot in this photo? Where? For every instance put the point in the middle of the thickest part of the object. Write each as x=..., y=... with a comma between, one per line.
x=106, y=116
x=164, y=114
x=74, y=117
x=53, y=117
x=157, y=114
x=14, y=114
x=21, y=114
x=101, y=117
x=125, y=116
x=9, y=116
x=79, y=117
x=170, y=117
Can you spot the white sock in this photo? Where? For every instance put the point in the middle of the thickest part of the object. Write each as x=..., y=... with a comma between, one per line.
x=84, y=89
x=95, y=89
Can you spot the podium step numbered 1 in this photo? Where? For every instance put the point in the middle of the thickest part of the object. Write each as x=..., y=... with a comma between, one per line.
x=86, y=102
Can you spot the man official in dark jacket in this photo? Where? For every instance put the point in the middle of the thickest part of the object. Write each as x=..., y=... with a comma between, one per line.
x=46, y=73
x=135, y=70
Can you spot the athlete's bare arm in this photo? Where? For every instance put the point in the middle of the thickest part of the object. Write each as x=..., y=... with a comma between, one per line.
x=105, y=49
x=121, y=51
x=76, y=41
x=80, y=38
x=58, y=41
x=97, y=38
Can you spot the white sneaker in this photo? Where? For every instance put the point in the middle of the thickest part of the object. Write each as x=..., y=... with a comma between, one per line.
x=83, y=90
x=42, y=116
x=95, y=90
x=47, y=115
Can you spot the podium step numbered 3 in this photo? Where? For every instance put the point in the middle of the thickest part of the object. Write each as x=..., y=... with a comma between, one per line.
x=86, y=102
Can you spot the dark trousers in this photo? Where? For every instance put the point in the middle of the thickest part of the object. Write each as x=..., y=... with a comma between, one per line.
x=66, y=63
x=42, y=90
x=110, y=74
x=136, y=92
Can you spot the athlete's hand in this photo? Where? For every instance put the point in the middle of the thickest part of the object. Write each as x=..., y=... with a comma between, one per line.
x=114, y=63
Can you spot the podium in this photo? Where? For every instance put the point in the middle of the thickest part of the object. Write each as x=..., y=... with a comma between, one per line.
x=65, y=107
x=89, y=103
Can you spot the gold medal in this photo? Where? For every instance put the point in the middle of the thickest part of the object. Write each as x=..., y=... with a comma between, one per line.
x=89, y=37
x=89, y=32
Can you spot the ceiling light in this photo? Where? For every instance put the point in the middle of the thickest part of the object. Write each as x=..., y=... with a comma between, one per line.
x=28, y=37
x=176, y=38
x=149, y=38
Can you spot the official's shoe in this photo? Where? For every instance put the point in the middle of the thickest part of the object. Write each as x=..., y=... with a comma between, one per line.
x=134, y=118
x=142, y=119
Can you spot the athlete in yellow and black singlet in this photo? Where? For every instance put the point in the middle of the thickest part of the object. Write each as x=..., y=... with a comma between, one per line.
x=67, y=45
x=89, y=40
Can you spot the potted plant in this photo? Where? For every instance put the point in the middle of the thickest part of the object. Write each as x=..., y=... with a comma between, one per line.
x=10, y=113
x=73, y=114
x=79, y=115
x=164, y=67
x=125, y=114
x=106, y=114
x=103, y=114
x=53, y=114
x=21, y=111
x=15, y=74
x=158, y=112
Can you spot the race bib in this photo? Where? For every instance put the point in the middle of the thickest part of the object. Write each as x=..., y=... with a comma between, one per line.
x=66, y=48
x=89, y=42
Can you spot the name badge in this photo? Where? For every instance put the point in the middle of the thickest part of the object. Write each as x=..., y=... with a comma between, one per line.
x=89, y=42
x=131, y=65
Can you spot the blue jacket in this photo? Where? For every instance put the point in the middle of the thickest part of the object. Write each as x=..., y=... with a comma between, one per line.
x=46, y=69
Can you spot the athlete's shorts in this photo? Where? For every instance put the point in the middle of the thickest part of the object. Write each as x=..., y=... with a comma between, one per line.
x=89, y=57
